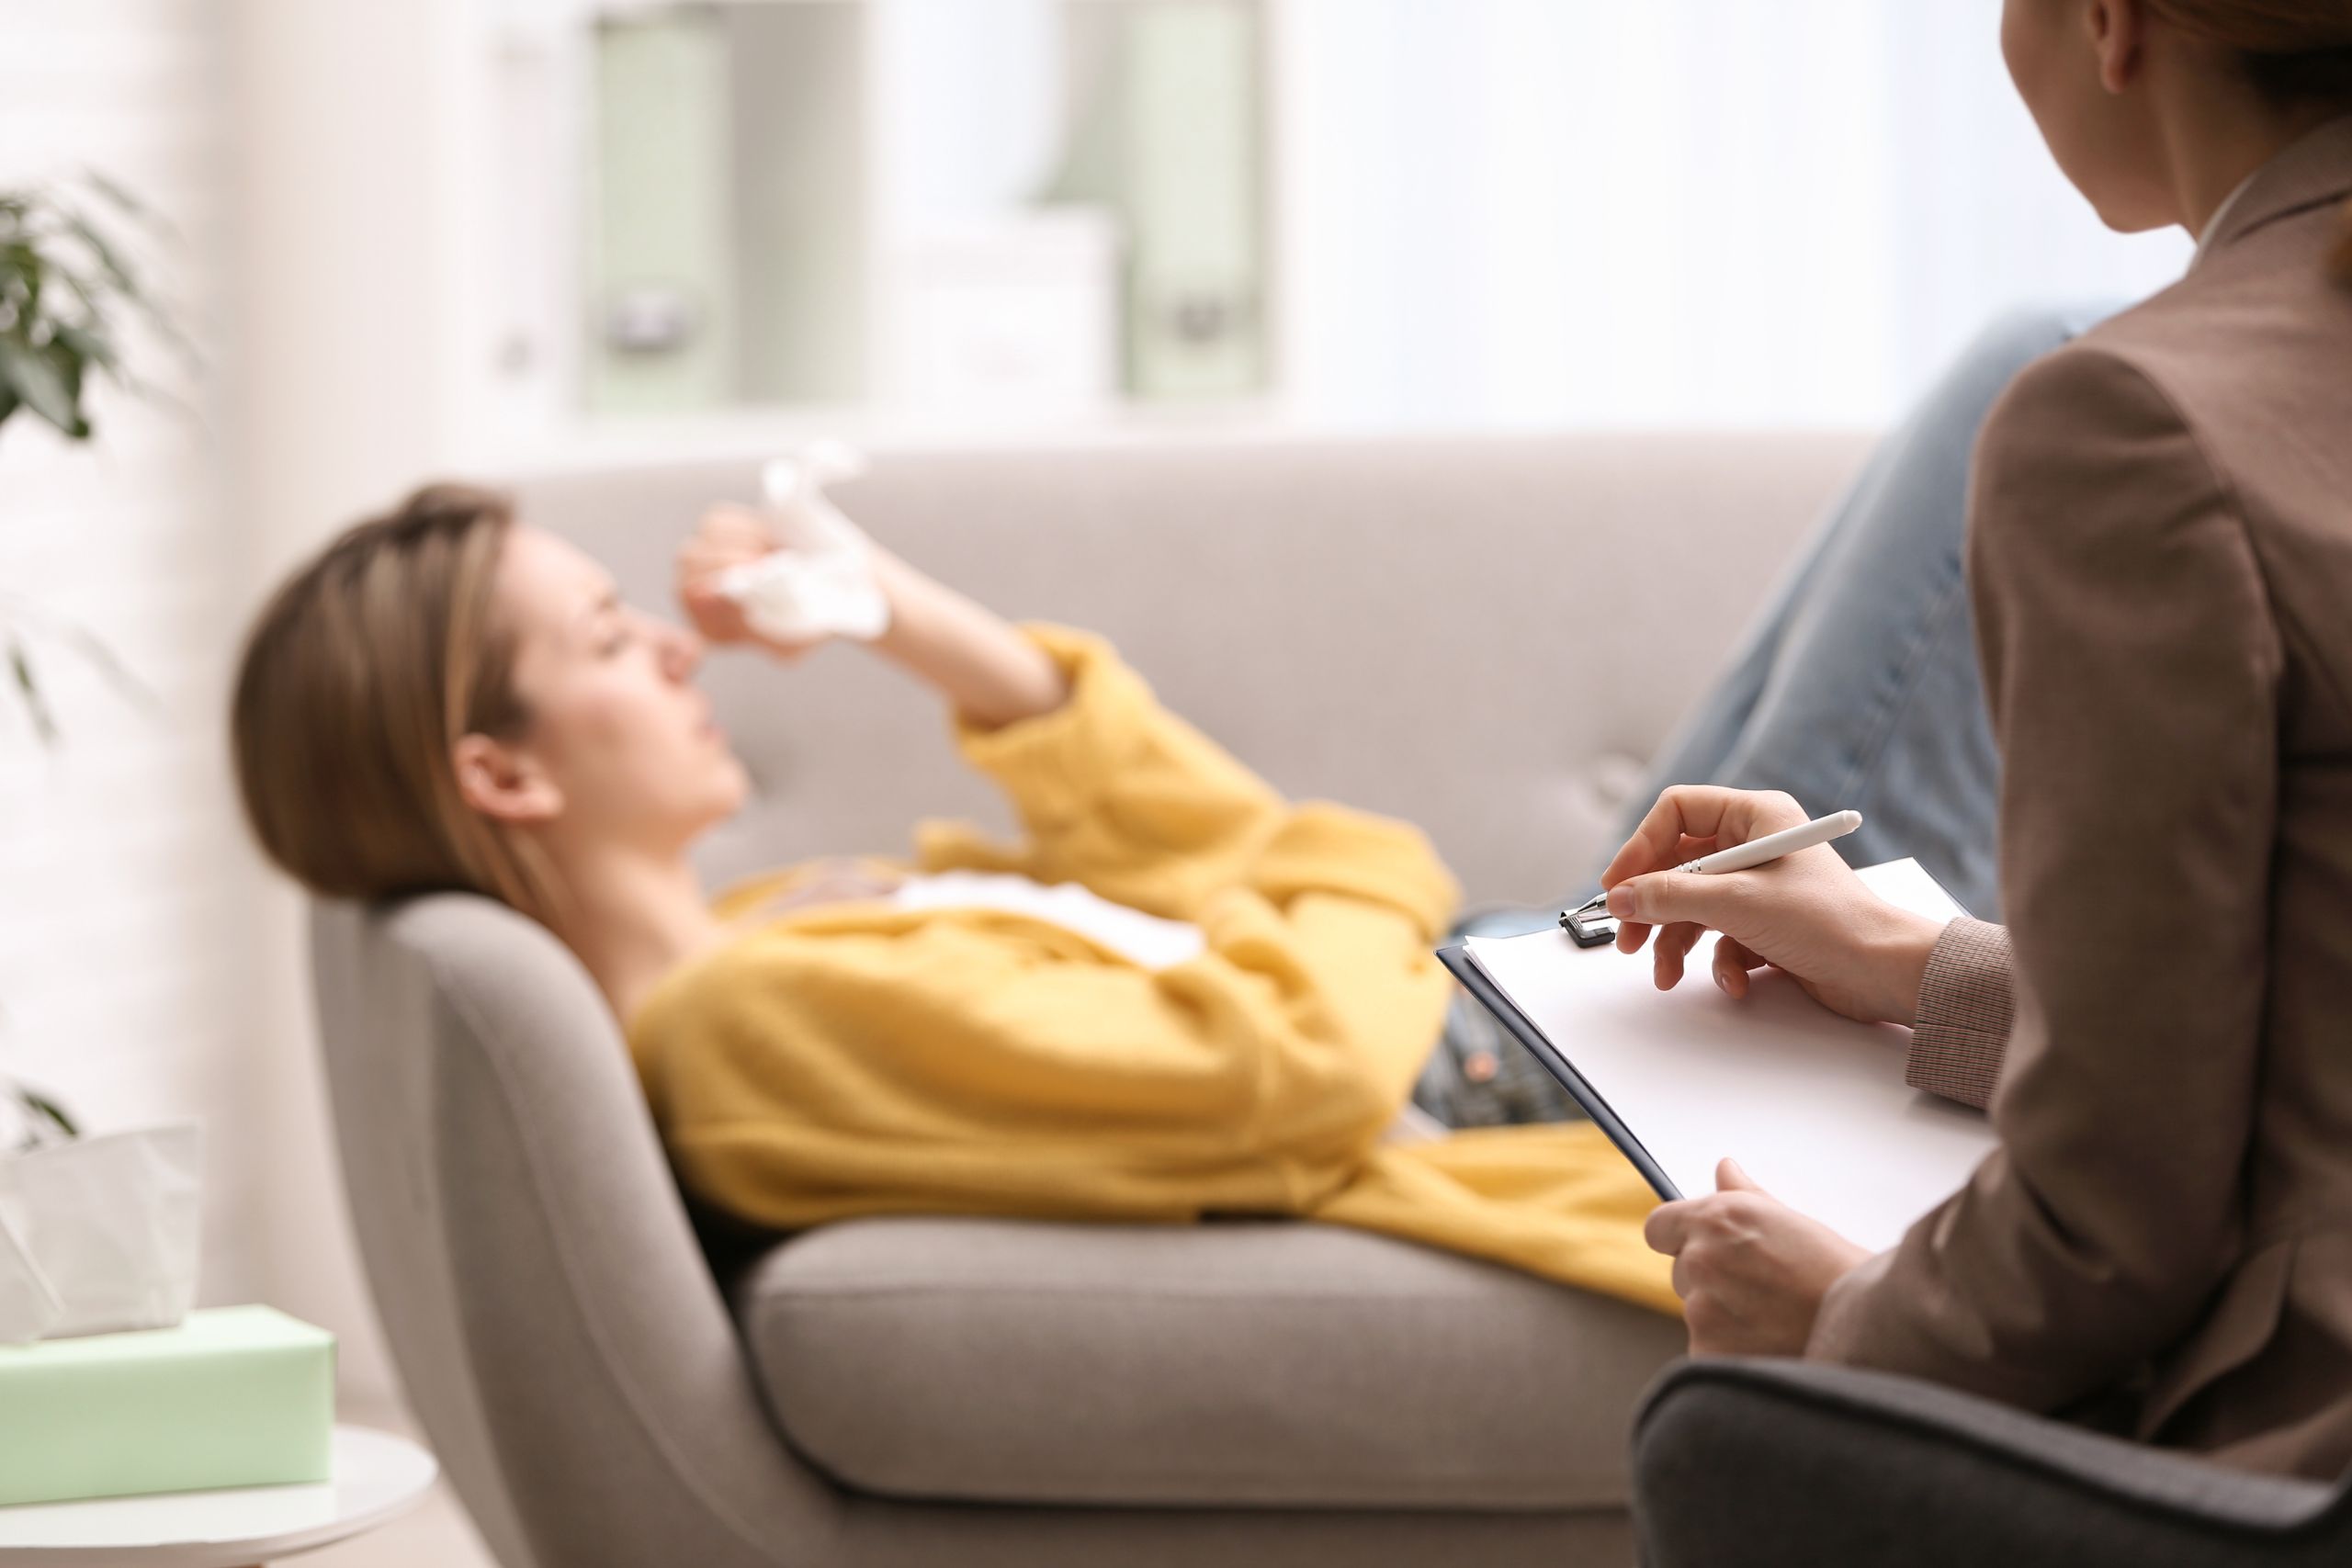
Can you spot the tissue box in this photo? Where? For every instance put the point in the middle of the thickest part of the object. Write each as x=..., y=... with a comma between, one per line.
x=236, y=1397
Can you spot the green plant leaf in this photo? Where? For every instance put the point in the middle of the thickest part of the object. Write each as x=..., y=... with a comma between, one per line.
x=92, y=294
x=47, y=1110
x=72, y=368
x=99, y=293
x=88, y=344
x=67, y=287
x=36, y=705
x=92, y=650
x=106, y=185
x=43, y=386
x=24, y=267
x=126, y=281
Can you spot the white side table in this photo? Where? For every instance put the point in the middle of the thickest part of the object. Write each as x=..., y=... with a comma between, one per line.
x=376, y=1476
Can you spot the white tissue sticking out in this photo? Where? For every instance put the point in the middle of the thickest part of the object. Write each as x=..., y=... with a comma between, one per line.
x=821, y=582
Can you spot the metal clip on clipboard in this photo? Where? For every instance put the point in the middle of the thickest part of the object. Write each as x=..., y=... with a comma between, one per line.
x=1589, y=927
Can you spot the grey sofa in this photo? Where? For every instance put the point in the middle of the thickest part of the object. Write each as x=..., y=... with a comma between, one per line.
x=1448, y=630
x=1778, y=1464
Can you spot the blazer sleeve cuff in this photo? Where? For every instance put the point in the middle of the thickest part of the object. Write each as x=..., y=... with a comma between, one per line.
x=1838, y=1331
x=1966, y=1006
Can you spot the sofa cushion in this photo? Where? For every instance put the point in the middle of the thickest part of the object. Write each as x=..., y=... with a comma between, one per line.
x=1268, y=1363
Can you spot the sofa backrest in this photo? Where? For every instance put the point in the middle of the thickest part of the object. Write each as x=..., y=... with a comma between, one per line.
x=1483, y=634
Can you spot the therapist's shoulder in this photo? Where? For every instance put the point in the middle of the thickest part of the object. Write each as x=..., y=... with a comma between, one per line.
x=2094, y=435
x=2229, y=382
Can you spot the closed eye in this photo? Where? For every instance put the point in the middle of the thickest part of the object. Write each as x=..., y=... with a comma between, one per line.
x=612, y=623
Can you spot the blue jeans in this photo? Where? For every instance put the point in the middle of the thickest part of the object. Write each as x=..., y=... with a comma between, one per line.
x=1858, y=687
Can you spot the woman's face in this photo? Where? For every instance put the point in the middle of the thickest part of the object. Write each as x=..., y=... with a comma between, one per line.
x=621, y=740
x=2080, y=65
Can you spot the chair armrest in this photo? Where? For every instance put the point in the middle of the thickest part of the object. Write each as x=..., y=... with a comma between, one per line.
x=1760, y=1463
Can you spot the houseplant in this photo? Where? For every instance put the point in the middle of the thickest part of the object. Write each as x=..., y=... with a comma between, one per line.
x=69, y=294
x=68, y=297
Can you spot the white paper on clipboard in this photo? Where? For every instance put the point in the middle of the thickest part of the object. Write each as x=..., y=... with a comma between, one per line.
x=1812, y=1105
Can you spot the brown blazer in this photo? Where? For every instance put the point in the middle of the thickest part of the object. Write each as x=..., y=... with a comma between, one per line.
x=2161, y=558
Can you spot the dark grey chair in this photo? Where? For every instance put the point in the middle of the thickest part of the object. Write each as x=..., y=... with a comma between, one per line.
x=1782, y=1464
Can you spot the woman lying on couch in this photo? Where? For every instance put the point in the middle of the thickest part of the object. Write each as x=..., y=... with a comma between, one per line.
x=1219, y=1008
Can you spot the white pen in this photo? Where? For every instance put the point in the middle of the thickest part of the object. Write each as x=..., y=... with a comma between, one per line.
x=1756, y=852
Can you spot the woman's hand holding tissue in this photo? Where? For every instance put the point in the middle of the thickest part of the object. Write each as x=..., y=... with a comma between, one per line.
x=1806, y=913
x=799, y=571
x=730, y=538
x=1751, y=1272
x=979, y=663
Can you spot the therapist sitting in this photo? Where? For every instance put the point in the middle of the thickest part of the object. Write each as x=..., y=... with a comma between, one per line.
x=2161, y=556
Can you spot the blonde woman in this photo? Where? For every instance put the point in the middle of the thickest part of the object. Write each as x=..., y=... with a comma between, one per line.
x=1181, y=995
x=2161, y=558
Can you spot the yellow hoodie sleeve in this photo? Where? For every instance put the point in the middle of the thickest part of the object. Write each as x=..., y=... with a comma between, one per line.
x=1120, y=795
x=1114, y=791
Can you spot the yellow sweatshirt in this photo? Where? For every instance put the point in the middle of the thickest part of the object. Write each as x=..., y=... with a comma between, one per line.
x=863, y=1059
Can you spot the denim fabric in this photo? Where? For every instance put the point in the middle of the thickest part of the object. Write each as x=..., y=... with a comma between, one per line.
x=1858, y=688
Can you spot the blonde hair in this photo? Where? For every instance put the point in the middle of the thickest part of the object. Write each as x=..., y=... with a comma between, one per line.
x=2296, y=52
x=360, y=674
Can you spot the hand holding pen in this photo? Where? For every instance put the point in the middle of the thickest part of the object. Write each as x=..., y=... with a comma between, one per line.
x=1756, y=852
x=1766, y=880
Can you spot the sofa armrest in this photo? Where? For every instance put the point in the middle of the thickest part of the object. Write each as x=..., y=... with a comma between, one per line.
x=1760, y=1463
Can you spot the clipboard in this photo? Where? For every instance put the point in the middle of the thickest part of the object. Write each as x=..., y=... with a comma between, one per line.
x=1816, y=1107
x=1458, y=962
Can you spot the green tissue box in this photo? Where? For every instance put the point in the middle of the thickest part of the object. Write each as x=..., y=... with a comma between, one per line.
x=236, y=1397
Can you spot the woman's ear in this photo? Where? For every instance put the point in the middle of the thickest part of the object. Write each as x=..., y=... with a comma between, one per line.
x=504, y=782
x=2118, y=33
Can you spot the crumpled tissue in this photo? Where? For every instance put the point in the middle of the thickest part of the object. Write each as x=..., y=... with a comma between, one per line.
x=100, y=1234
x=821, y=582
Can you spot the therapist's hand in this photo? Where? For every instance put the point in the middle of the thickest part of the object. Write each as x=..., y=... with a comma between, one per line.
x=1751, y=1272
x=1806, y=913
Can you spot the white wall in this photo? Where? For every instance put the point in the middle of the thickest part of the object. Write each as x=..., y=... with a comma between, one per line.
x=353, y=143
